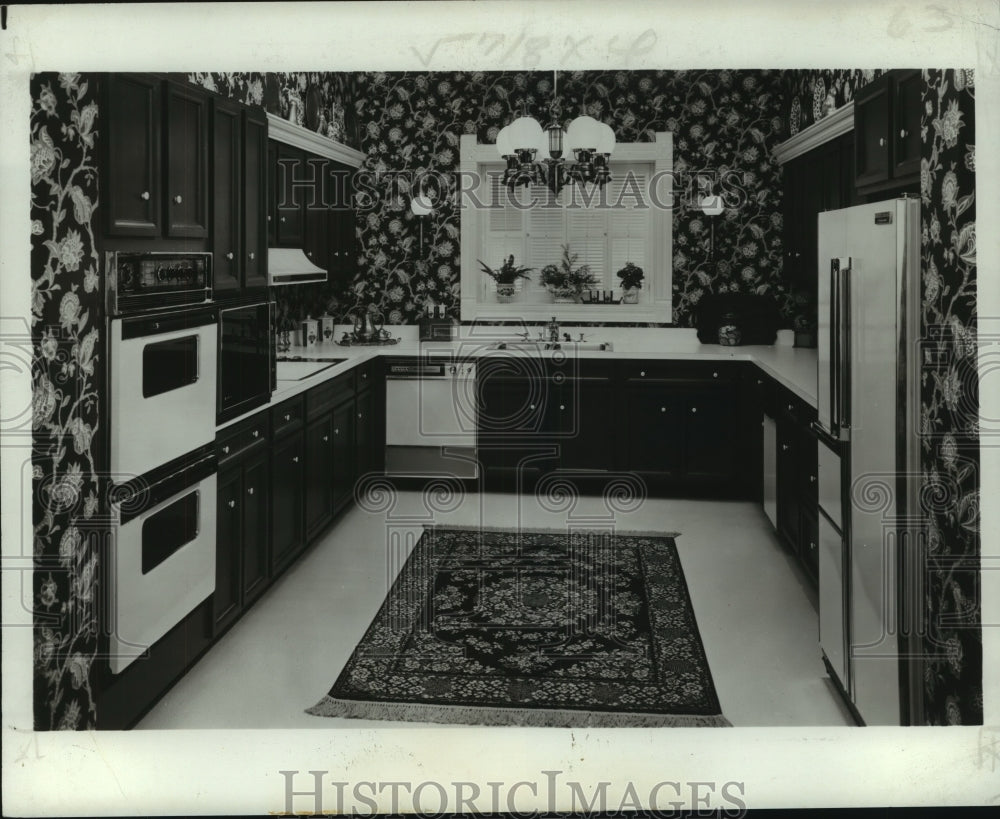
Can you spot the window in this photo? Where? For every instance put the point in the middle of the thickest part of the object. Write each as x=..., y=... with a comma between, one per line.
x=629, y=220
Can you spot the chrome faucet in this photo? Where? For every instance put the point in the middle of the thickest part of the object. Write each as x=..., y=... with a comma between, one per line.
x=553, y=328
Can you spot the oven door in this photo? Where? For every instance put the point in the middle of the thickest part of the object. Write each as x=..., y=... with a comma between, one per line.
x=247, y=366
x=163, y=386
x=162, y=560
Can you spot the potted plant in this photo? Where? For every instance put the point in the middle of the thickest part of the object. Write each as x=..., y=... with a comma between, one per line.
x=631, y=276
x=505, y=277
x=566, y=281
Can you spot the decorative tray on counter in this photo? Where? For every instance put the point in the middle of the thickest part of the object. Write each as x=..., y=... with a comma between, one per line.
x=350, y=341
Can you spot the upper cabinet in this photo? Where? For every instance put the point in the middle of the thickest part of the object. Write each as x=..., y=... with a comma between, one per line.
x=135, y=113
x=887, y=132
x=157, y=158
x=239, y=185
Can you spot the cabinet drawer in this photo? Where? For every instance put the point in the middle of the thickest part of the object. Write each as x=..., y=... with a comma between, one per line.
x=680, y=370
x=326, y=396
x=238, y=439
x=366, y=375
x=287, y=416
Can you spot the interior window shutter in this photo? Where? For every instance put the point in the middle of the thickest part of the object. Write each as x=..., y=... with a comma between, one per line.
x=504, y=235
x=586, y=231
x=546, y=231
x=629, y=221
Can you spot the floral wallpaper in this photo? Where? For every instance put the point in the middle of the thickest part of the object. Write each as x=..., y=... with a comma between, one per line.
x=67, y=385
x=722, y=121
x=319, y=101
x=811, y=94
x=953, y=691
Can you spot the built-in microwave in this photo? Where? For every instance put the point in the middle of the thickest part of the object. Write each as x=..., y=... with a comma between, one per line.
x=247, y=365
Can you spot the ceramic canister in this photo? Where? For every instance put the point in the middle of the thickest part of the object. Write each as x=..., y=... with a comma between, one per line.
x=308, y=332
x=325, y=328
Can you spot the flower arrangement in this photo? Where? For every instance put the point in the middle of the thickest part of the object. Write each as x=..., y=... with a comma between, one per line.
x=505, y=276
x=566, y=281
x=631, y=276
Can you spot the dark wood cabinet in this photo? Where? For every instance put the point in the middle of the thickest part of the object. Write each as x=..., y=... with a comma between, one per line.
x=344, y=421
x=653, y=429
x=242, y=568
x=585, y=422
x=133, y=159
x=341, y=223
x=287, y=499
x=906, y=110
x=239, y=179
x=320, y=468
x=871, y=132
x=887, y=141
x=186, y=161
x=366, y=432
x=710, y=433
x=787, y=489
x=227, y=198
x=291, y=193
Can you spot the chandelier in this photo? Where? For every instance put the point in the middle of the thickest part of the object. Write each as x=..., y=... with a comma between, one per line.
x=536, y=156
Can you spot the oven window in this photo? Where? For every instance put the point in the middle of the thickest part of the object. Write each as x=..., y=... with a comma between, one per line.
x=244, y=355
x=169, y=365
x=168, y=530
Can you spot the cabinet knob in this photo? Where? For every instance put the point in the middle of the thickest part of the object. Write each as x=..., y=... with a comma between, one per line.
x=360, y=415
x=232, y=504
x=225, y=450
x=336, y=253
x=336, y=431
x=881, y=142
x=790, y=407
x=282, y=218
x=562, y=406
x=715, y=375
x=532, y=406
x=642, y=373
x=295, y=459
x=797, y=255
x=250, y=491
x=252, y=257
x=326, y=437
x=256, y=433
x=812, y=545
x=902, y=133
x=288, y=416
x=663, y=409
x=364, y=375
x=309, y=254
x=694, y=409
x=760, y=383
x=229, y=255
x=144, y=196
x=812, y=479
x=784, y=447
x=178, y=199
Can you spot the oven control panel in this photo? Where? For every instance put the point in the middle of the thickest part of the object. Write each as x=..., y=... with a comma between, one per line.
x=143, y=281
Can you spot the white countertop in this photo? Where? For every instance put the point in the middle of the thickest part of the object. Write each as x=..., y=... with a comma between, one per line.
x=792, y=367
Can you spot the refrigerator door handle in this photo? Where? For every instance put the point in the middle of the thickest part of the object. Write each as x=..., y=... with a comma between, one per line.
x=844, y=351
x=834, y=346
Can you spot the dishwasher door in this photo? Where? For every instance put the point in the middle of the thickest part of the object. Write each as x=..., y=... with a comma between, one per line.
x=769, y=479
x=430, y=424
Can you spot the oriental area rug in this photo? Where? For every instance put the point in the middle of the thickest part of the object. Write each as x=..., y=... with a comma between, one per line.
x=584, y=628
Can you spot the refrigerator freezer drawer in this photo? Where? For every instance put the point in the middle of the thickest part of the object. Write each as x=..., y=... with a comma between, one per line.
x=830, y=480
x=832, y=622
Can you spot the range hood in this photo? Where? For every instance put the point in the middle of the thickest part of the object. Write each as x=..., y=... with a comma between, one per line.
x=289, y=265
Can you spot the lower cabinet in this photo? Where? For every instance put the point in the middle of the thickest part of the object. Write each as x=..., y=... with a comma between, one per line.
x=242, y=568
x=287, y=499
x=320, y=465
x=343, y=427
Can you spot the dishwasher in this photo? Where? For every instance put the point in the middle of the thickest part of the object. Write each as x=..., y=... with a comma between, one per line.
x=430, y=419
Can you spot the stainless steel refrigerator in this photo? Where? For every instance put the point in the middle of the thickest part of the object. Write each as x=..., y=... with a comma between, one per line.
x=868, y=390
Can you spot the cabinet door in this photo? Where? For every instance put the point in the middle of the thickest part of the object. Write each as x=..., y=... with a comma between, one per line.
x=287, y=507
x=908, y=86
x=227, y=195
x=585, y=418
x=315, y=241
x=291, y=196
x=809, y=542
x=871, y=132
x=341, y=223
x=344, y=424
x=514, y=408
x=710, y=433
x=272, y=193
x=255, y=194
x=792, y=219
x=256, y=528
x=319, y=473
x=226, y=599
x=654, y=429
x=365, y=433
x=133, y=127
x=787, y=483
x=186, y=181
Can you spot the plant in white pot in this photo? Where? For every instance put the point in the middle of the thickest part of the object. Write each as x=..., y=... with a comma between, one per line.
x=506, y=277
x=566, y=281
x=631, y=276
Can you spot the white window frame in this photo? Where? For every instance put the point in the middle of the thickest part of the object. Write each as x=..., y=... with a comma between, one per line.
x=656, y=305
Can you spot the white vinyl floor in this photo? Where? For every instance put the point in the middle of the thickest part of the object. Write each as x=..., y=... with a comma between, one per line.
x=755, y=611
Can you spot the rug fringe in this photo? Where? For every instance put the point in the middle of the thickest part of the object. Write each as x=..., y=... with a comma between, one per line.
x=525, y=717
x=546, y=530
